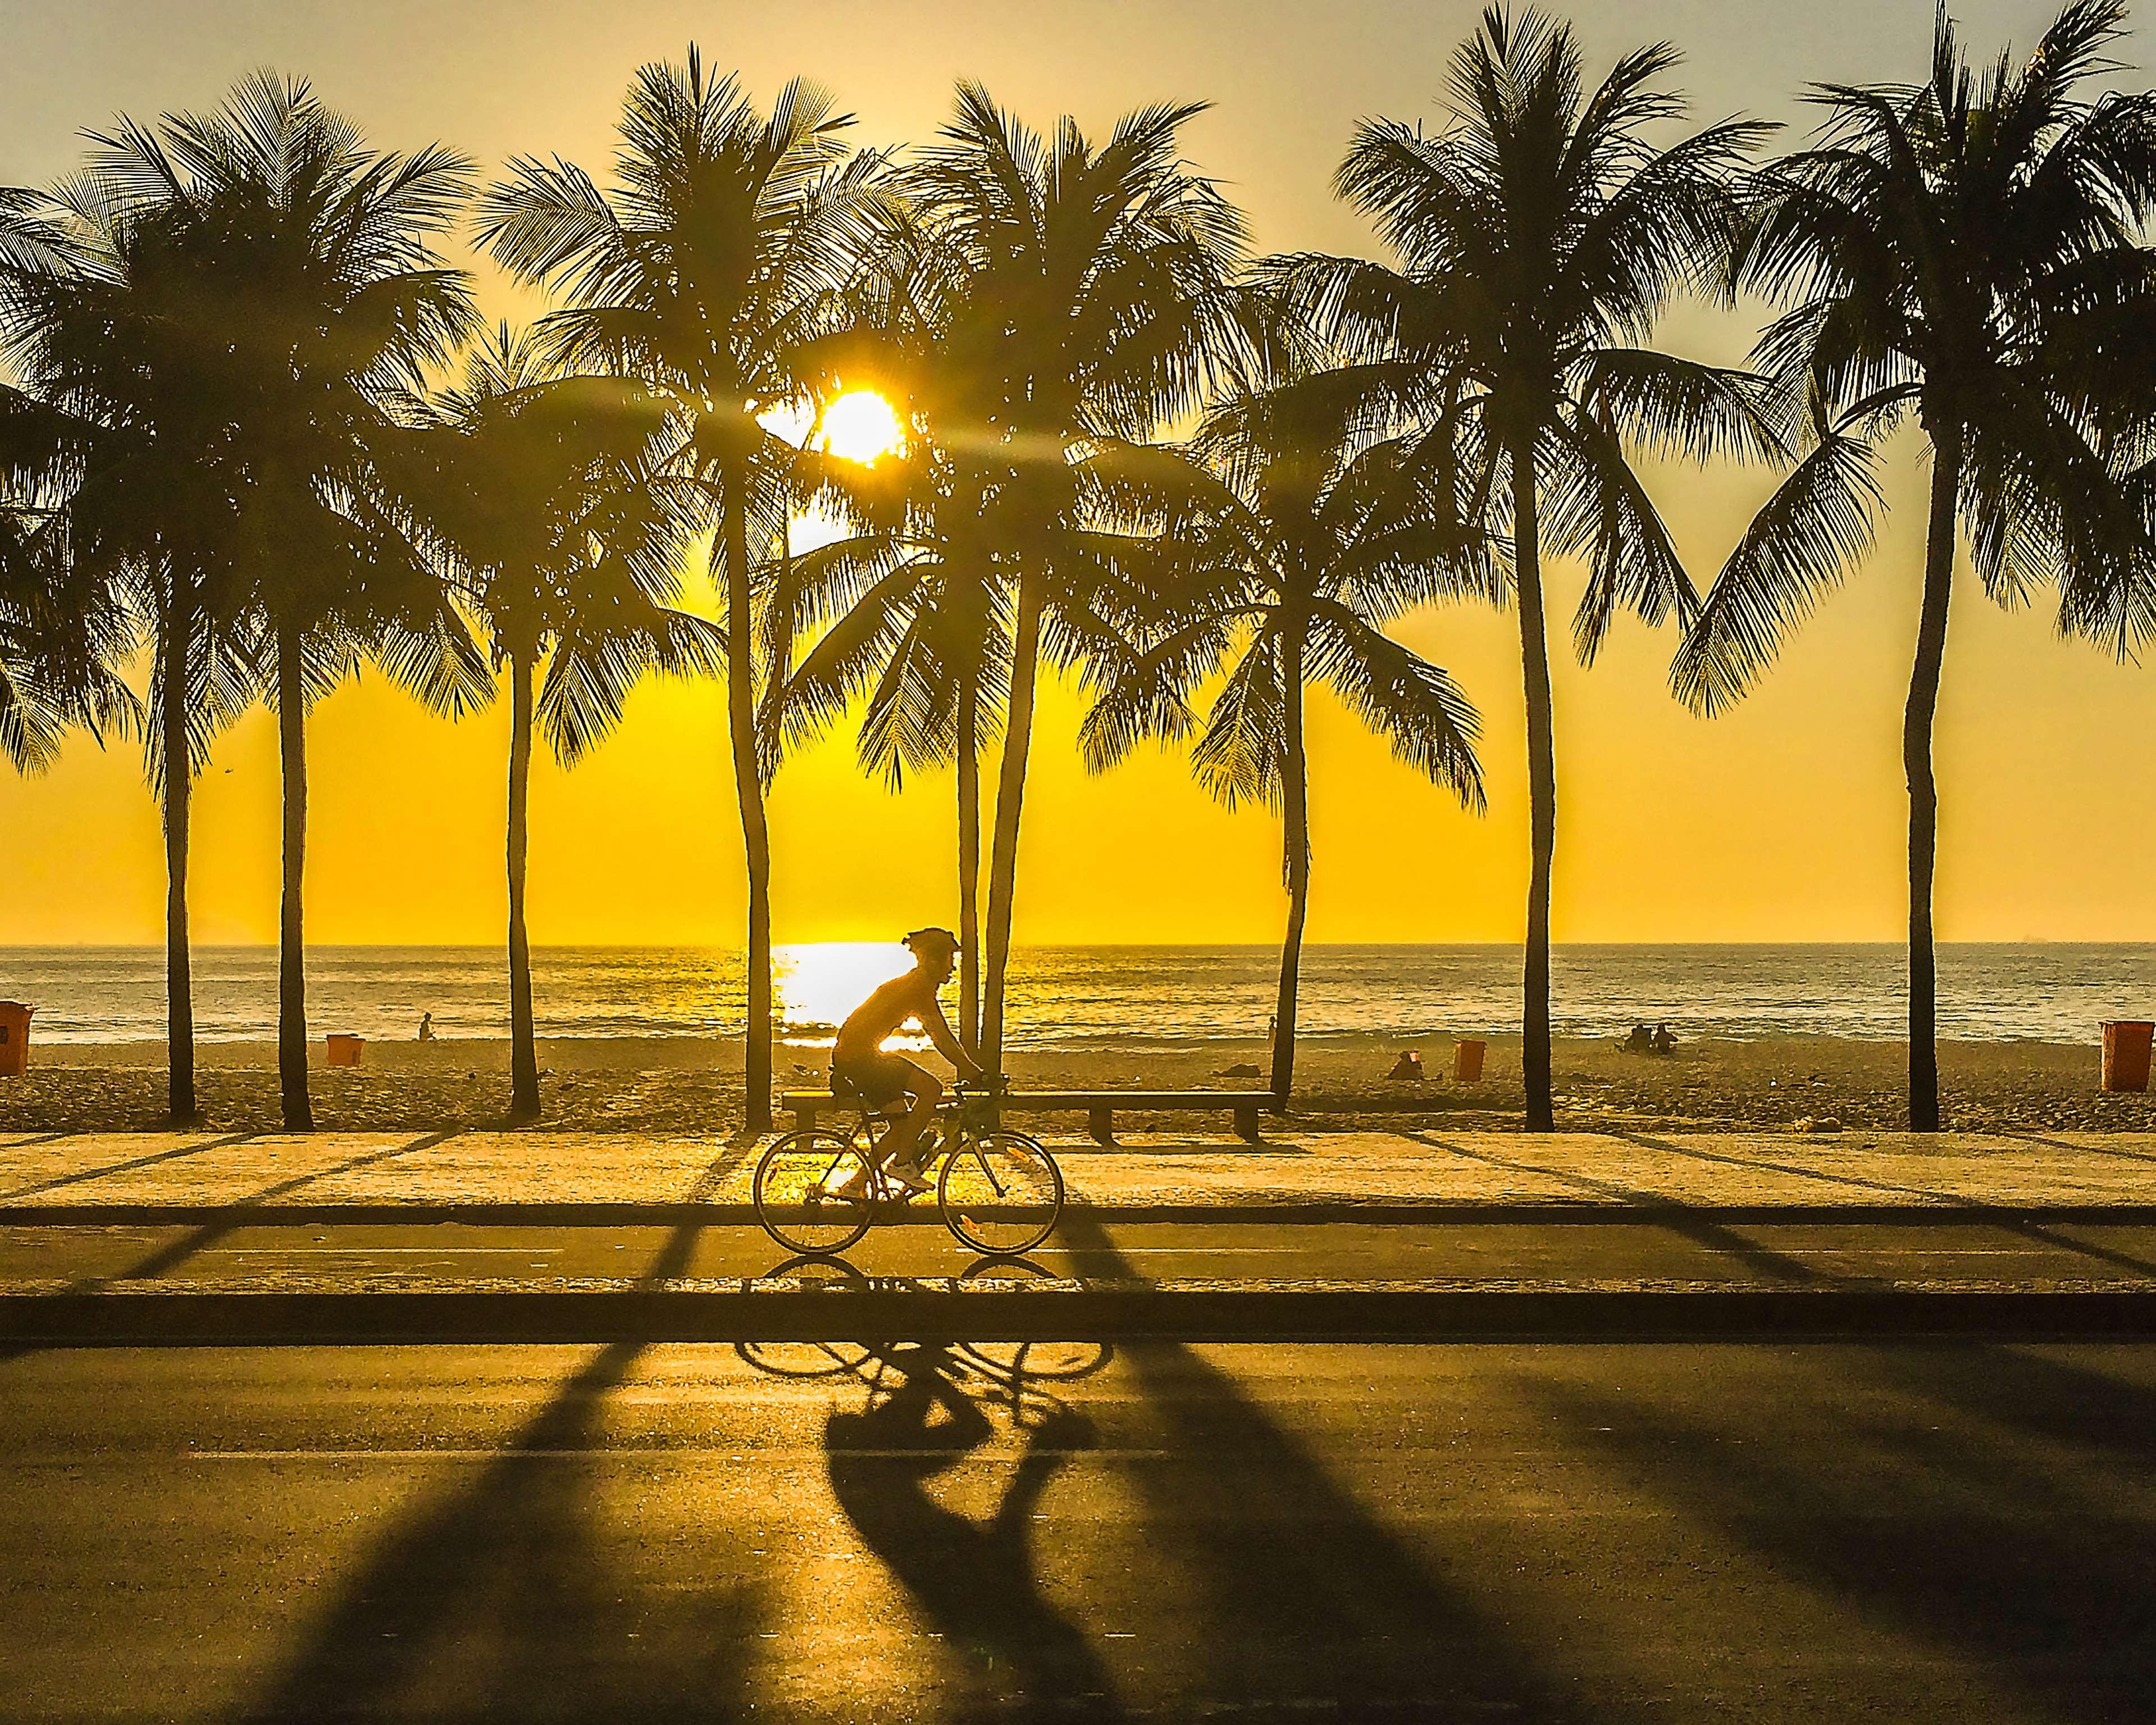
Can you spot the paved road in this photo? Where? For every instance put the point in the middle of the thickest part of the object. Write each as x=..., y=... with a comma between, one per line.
x=1701, y=1249
x=1613, y=1533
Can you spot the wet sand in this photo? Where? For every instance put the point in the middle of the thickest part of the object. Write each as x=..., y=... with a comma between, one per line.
x=694, y=1085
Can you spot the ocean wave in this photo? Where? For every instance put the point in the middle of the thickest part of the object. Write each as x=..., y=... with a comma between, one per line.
x=1133, y=998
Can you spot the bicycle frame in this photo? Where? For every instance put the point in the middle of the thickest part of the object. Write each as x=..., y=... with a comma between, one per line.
x=948, y=1119
x=1010, y=1208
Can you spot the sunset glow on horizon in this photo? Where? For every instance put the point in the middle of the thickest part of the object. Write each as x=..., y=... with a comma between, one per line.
x=1782, y=820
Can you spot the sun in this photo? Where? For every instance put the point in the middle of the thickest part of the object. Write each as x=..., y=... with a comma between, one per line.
x=860, y=426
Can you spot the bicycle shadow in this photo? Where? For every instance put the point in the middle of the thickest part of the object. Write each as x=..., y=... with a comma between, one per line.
x=929, y=1410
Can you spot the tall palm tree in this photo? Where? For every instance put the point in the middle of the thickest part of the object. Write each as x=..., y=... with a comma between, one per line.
x=104, y=317
x=1291, y=537
x=320, y=306
x=1540, y=235
x=718, y=254
x=1965, y=251
x=908, y=610
x=1082, y=298
x=546, y=493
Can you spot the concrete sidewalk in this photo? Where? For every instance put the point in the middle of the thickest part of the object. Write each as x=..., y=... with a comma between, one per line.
x=611, y=1178
x=1718, y=1194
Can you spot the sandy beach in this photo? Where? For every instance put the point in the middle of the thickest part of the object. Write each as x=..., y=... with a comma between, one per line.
x=1792, y=1084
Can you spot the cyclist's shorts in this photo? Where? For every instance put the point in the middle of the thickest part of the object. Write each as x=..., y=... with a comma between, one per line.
x=880, y=1080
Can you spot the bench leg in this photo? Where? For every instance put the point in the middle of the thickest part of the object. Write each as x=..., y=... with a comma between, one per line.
x=805, y=1119
x=1100, y=1122
x=1246, y=1122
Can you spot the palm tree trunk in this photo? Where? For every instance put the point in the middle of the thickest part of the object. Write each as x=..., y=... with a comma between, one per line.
x=748, y=789
x=1542, y=789
x=177, y=647
x=1923, y=792
x=523, y=1050
x=969, y=861
x=1010, y=794
x=291, y=932
x=1295, y=832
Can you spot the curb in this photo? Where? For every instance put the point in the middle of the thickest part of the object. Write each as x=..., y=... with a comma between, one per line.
x=1276, y=1212
x=894, y=1309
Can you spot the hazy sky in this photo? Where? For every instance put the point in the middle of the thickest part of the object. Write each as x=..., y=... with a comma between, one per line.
x=1784, y=821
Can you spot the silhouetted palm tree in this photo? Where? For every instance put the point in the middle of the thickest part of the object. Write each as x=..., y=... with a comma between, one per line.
x=322, y=306
x=1966, y=251
x=908, y=609
x=1080, y=295
x=1287, y=539
x=107, y=325
x=545, y=491
x=1541, y=235
x=717, y=257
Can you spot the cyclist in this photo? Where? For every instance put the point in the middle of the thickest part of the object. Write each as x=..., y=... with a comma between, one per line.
x=903, y=1091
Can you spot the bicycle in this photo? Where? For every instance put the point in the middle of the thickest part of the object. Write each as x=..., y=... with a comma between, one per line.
x=819, y=1190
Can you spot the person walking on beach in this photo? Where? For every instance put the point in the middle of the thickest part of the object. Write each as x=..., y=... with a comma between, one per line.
x=888, y=1081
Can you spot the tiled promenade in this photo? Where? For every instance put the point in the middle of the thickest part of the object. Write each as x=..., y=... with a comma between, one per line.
x=76, y=1178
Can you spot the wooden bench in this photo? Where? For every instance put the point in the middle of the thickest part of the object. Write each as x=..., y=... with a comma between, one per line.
x=1099, y=1106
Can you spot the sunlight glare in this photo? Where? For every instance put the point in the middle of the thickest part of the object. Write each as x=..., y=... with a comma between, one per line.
x=861, y=426
x=819, y=982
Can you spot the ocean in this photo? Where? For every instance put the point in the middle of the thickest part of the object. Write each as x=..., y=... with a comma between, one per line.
x=1108, y=997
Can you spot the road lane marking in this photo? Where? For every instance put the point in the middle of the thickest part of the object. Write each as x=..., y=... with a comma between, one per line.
x=788, y=1452
x=374, y=1251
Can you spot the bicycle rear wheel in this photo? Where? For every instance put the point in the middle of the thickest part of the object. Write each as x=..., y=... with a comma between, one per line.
x=1001, y=1193
x=795, y=1196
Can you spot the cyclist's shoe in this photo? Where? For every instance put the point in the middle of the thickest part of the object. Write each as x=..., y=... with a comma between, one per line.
x=906, y=1179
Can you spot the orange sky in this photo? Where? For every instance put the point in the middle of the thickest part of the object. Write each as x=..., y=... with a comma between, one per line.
x=1783, y=820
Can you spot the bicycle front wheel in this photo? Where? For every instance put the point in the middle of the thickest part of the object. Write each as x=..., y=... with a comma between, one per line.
x=812, y=1192
x=1001, y=1193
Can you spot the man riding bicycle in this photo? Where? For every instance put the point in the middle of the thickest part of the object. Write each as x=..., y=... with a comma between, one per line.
x=890, y=1083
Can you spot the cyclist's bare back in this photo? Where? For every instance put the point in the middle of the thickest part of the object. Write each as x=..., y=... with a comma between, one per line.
x=858, y=1063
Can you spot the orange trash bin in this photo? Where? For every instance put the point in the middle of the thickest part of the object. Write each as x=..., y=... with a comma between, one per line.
x=2126, y=1042
x=1467, y=1060
x=14, y=1038
x=345, y=1050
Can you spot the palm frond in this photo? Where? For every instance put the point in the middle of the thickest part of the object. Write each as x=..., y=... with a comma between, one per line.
x=1819, y=521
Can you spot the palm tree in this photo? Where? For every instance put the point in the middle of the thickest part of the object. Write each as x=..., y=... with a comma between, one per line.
x=1081, y=299
x=1540, y=235
x=319, y=308
x=104, y=320
x=1966, y=251
x=545, y=493
x=1289, y=539
x=909, y=610
x=717, y=257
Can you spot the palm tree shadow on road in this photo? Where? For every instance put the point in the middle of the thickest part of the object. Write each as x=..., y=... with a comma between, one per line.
x=498, y=1602
x=1292, y=1593
x=2012, y=1562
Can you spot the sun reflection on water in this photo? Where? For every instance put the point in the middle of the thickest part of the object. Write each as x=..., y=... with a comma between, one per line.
x=818, y=983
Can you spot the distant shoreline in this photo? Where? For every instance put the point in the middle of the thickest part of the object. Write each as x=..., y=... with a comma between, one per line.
x=722, y=1052
x=694, y=1085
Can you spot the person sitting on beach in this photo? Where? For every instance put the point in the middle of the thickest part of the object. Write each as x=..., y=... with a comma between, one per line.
x=1663, y=1042
x=426, y=1027
x=888, y=1082
x=1640, y=1041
